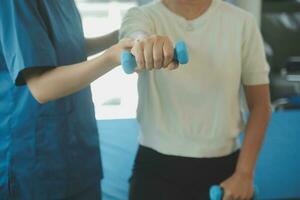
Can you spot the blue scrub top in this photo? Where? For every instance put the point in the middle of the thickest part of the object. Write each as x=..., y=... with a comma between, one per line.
x=47, y=151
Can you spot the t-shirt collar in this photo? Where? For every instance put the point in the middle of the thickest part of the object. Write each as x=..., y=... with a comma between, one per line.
x=195, y=22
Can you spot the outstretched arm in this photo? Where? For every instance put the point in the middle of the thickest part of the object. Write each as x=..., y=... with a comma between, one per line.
x=48, y=84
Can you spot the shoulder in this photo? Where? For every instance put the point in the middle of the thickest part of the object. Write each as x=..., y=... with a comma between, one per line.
x=235, y=13
x=18, y=4
x=147, y=10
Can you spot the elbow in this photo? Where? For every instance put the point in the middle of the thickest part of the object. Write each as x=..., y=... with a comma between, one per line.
x=264, y=110
x=267, y=111
x=39, y=95
x=41, y=99
x=38, y=92
x=37, y=87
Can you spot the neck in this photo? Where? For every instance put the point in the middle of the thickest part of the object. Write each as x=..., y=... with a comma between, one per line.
x=189, y=9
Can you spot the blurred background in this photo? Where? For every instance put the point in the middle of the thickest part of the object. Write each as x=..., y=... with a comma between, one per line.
x=115, y=98
x=114, y=95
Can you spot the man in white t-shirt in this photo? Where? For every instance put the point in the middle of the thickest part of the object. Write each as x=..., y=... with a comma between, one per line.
x=190, y=118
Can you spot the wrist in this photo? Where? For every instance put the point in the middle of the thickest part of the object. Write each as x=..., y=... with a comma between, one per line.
x=245, y=172
x=111, y=58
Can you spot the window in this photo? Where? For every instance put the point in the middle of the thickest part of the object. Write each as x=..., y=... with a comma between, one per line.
x=114, y=94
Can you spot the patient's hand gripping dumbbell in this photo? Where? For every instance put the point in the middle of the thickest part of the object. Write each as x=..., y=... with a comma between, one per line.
x=216, y=193
x=180, y=55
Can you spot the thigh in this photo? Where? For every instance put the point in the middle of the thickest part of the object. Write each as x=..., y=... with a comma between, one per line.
x=162, y=177
x=91, y=193
x=213, y=172
x=154, y=188
x=153, y=177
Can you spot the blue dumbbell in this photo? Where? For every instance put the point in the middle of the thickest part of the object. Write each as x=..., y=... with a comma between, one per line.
x=180, y=55
x=216, y=193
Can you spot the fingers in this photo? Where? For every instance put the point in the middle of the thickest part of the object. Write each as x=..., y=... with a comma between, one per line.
x=148, y=54
x=158, y=54
x=229, y=195
x=138, y=52
x=137, y=70
x=168, y=52
x=238, y=187
x=154, y=52
x=172, y=66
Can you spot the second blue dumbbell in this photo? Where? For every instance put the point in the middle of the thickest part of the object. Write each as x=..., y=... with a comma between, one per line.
x=180, y=55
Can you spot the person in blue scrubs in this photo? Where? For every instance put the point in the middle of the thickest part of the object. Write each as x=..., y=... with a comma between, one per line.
x=49, y=145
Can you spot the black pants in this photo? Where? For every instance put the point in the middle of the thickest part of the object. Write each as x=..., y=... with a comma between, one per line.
x=91, y=193
x=161, y=177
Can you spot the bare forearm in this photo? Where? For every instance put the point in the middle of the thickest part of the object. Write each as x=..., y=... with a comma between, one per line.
x=65, y=80
x=96, y=45
x=240, y=184
x=51, y=84
x=254, y=136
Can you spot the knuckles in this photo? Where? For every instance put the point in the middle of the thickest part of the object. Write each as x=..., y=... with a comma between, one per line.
x=148, y=59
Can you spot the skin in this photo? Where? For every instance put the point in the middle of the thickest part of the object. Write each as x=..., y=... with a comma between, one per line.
x=155, y=52
x=240, y=184
x=54, y=83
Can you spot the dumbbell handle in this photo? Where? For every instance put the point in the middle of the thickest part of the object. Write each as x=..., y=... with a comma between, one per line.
x=216, y=193
x=180, y=55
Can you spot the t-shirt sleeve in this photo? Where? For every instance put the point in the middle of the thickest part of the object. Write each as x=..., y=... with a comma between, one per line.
x=24, y=38
x=255, y=69
x=135, y=22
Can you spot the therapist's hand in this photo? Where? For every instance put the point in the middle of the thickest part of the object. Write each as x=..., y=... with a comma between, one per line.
x=154, y=52
x=115, y=51
x=238, y=187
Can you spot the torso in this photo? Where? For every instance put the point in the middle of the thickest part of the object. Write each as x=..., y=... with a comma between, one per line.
x=194, y=111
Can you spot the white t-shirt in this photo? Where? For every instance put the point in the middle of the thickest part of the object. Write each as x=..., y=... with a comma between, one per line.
x=195, y=111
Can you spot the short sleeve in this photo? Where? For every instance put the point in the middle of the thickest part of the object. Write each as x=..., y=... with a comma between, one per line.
x=24, y=38
x=136, y=21
x=255, y=69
